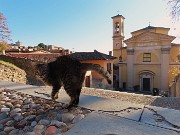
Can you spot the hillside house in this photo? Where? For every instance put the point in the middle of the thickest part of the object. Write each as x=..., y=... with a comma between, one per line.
x=93, y=79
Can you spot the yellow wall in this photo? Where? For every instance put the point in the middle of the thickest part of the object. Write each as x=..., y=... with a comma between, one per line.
x=116, y=53
x=173, y=69
x=124, y=73
x=154, y=56
x=174, y=52
x=162, y=31
x=95, y=74
x=173, y=72
x=102, y=63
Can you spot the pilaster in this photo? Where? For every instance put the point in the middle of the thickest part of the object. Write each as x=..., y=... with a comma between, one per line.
x=164, y=69
x=130, y=63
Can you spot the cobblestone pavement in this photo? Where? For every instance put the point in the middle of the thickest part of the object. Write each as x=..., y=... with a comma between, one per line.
x=23, y=114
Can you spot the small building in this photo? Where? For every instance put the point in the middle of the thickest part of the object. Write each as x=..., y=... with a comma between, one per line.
x=55, y=50
x=92, y=78
x=53, y=47
x=17, y=47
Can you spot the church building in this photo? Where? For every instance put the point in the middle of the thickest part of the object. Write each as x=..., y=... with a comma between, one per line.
x=147, y=61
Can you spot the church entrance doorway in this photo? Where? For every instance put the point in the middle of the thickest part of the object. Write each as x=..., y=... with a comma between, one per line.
x=146, y=84
x=146, y=80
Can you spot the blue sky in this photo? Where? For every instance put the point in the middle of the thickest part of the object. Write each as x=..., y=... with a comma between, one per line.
x=81, y=25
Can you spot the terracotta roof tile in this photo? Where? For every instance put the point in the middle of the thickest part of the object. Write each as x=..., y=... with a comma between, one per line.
x=91, y=56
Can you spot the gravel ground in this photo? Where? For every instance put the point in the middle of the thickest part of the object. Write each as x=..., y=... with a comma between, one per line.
x=23, y=114
x=166, y=102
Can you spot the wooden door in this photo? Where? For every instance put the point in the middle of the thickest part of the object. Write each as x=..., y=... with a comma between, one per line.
x=87, y=81
x=146, y=84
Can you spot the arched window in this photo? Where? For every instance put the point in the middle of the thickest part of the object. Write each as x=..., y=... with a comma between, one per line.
x=117, y=27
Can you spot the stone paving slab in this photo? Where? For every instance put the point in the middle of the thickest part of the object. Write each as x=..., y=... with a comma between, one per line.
x=162, y=117
x=17, y=86
x=29, y=89
x=103, y=124
x=108, y=105
x=157, y=116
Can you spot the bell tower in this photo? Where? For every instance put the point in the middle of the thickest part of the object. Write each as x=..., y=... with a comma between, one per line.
x=118, y=37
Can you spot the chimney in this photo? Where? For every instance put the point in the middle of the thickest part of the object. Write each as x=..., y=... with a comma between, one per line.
x=110, y=53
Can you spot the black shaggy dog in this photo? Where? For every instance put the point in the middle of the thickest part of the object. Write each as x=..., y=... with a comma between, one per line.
x=64, y=71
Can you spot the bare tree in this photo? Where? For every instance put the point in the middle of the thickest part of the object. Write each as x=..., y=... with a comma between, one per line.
x=175, y=8
x=4, y=33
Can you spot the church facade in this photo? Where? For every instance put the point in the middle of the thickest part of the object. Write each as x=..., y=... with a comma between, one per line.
x=147, y=61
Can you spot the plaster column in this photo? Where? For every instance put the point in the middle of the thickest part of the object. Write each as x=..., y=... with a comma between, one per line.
x=164, y=69
x=120, y=75
x=130, y=62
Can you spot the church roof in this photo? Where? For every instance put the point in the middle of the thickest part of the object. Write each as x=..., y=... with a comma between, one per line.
x=150, y=28
x=175, y=44
x=150, y=34
x=118, y=16
x=91, y=56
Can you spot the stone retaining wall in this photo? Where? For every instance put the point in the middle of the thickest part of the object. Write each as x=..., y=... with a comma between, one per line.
x=165, y=102
x=10, y=73
x=28, y=65
x=43, y=57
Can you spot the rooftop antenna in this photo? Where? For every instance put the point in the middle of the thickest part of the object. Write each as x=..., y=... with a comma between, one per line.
x=118, y=12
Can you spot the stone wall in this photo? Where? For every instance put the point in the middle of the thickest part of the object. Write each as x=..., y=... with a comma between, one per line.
x=100, y=84
x=12, y=73
x=43, y=57
x=28, y=65
x=165, y=102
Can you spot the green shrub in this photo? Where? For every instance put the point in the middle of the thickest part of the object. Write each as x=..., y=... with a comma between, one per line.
x=8, y=64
